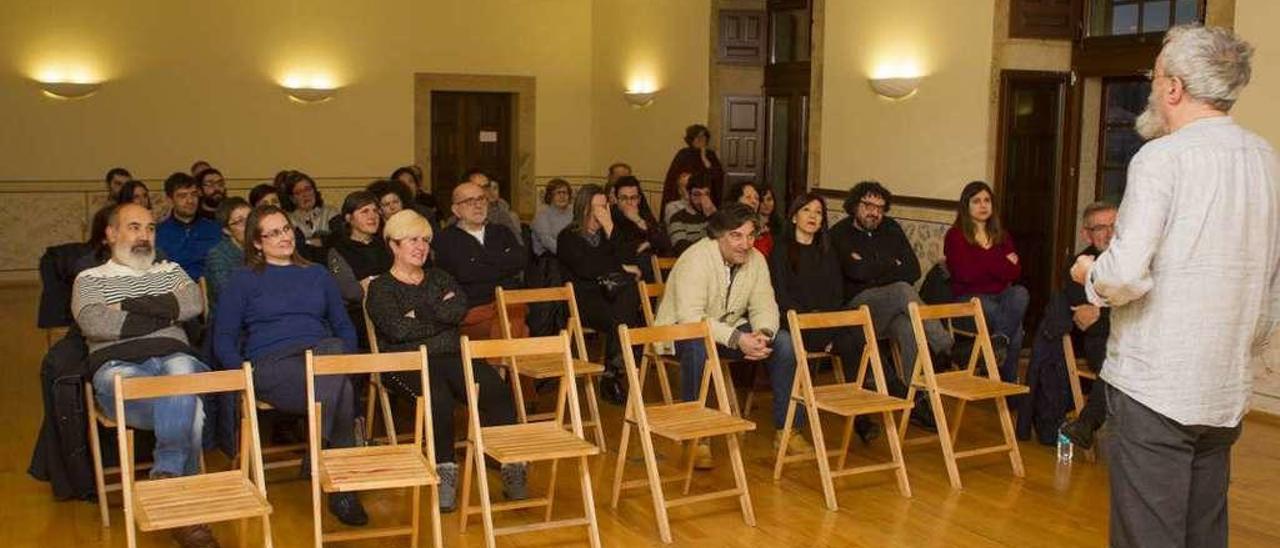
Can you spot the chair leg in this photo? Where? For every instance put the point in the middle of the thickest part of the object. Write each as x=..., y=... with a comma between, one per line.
x=664, y=382
x=413, y=517
x=588, y=503
x=688, y=465
x=845, y=440
x=517, y=395
x=130, y=528
x=944, y=439
x=267, y=541
x=486, y=509
x=437, y=538
x=786, y=438
x=895, y=449
x=740, y=479
x=316, y=513
x=1006, y=424
x=955, y=424
x=655, y=486
x=388, y=423
x=99, y=477
x=551, y=490
x=369, y=396
x=751, y=389
x=466, y=488
x=837, y=369
x=621, y=464
x=593, y=407
x=820, y=450
x=905, y=421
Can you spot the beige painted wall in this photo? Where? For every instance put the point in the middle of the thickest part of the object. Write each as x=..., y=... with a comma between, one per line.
x=929, y=144
x=659, y=42
x=1257, y=108
x=200, y=80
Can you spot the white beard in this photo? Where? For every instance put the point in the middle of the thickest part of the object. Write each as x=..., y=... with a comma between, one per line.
x=1151, y=124
x=137, y=261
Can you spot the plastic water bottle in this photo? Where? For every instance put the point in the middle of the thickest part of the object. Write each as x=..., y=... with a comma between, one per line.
x=1065, y=449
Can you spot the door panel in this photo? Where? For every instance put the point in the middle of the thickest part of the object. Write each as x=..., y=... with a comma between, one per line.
x=741, y=143
x=470, y=130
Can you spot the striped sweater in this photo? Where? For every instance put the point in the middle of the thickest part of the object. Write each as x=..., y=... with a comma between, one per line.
x=132, y=315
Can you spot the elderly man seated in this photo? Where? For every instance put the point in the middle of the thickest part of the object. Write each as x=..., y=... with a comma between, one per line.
x=129, y=310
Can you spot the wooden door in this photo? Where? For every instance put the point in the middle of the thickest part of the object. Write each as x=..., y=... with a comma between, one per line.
x=470, y=130
x=1030, y=185
x=741, y=144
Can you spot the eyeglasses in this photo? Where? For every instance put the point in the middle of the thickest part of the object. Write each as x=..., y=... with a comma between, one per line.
x=1100, y=228
x=471, y=202
x=278, y=233
x=872, y=205
x=629, y=198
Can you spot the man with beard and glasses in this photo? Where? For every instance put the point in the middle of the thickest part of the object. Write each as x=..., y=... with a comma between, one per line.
x=186, y=237
x=129, y=310
x=213, y=189
x=1192, y=279
x=880, y=270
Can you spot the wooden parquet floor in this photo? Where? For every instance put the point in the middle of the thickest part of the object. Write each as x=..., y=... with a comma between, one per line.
x=1049, y=507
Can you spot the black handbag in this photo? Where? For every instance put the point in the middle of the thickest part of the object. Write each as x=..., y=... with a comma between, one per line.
x=614, y=283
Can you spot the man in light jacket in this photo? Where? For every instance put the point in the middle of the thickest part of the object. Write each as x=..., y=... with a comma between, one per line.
x=723, y=279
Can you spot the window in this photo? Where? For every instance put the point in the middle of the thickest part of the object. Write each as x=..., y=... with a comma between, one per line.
x=1128, y=17
x=1123, y=100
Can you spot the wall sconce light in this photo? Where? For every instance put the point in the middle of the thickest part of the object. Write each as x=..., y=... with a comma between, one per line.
x=639, y=99
x=895, y=88
x=69, y=90
x=310, y=96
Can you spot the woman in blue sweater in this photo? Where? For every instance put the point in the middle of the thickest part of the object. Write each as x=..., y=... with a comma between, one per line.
x=270, y=314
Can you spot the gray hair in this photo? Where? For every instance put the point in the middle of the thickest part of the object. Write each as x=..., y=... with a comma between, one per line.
x=1095, y=207
x=1211, y=62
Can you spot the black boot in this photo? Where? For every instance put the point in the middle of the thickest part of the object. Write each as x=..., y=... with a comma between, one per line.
x=347, y=508
x=613, y=389
x=867, y=429
x=922, y=413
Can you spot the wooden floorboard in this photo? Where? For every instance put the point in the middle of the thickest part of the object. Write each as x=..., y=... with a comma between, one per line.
x=1046, y=508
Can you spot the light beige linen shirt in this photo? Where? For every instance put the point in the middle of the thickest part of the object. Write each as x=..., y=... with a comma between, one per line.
x=1192, y=272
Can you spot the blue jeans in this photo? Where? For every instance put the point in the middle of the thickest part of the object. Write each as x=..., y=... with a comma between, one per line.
x=781, y=364
x=176, y=420
x=1004, y=312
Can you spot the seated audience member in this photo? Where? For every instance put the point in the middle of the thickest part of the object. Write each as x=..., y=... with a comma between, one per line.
x=724, y=280
x=603, y=284
x=359, y=256
x=420, y=198
x=116, y=177
x=198, y=166
x=682, y=198
x=134, y=192
x=806, y=278
x=228, y=255
x=213, y=189
x=1092, y=324
x=696, y=158
x=274, y=310
x=880, y=270
x=481, y=257
x=640, y=235
x=391, y=195
x=129, y=310
x=264, y=194
x=984, y=263
x=309, y=213
x=413, y=305
x=746, y=193
x=616, y=171
x=689, y=224
x=769, y=213
x=500, y=212
x=185, y=237
x=552, y=217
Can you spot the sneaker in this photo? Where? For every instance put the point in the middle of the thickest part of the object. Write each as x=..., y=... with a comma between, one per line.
x=347, y=508
x=797, y=445
x=448, y=487
x=194, y=536
x=515, y=479
x=1080, y=433
x=702, y=459
x=867, y=429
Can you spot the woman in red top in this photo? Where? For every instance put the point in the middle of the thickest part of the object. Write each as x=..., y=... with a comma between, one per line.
x=984, y=263
x=746, y=193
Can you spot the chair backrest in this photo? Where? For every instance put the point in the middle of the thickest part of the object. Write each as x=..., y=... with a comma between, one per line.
x=515, y=348
x=712, y=375
x=369, y=330
x=204, y=298
x=661, y=264
x=648, y=293
x=563, y=293
x=231, y=380
x=859, y=318
x=357, y=364
x=951, y=311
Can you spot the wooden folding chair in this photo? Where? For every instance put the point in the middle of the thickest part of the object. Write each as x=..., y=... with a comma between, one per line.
x=1077, y=368
x=396, y=466
x=376, y=390
x=169, y=503
x=845, y=399
x=684, y=422
x=660, y=265
x=548, y=367
x=526, y=442
x=655, y=354
x=963, y=385
x=95, y=418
